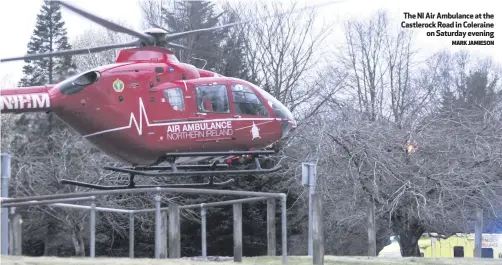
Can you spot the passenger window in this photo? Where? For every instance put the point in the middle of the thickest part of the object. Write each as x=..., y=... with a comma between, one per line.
x=246, y=101
x=175, y=98
x=212, y=98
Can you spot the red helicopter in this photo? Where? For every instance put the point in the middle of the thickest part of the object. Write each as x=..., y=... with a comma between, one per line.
x=148, y=108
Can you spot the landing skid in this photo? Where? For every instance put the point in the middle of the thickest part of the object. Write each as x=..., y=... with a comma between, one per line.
x=211, y=170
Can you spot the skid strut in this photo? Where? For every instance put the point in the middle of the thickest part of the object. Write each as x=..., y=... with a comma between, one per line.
x=210, y=170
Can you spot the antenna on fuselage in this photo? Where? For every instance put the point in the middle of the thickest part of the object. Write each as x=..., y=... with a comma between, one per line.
x=205, y=61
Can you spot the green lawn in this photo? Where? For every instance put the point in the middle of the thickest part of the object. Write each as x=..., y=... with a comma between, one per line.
x=252, y=260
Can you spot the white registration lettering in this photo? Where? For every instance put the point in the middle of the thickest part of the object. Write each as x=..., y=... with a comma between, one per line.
x=27, y=101
x=7, y=102
x=41, y=102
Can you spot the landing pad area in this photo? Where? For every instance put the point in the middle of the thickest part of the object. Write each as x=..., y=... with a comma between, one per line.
x=296, y=260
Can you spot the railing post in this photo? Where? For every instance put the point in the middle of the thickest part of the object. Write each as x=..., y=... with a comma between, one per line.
x=203, y=230
x=15, y=233
x=157, y=227
x=164, y=229
x=309, y=179
x=284, y=229
x=271, y=239
x=131, y=234
x=5, y=211
x=317, y=230
x=371, y=227
x=478, y=233
x=93, y=228
x=237, y=208
x=174, y=231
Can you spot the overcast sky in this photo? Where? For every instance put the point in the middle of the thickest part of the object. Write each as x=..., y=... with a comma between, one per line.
x=17, y=20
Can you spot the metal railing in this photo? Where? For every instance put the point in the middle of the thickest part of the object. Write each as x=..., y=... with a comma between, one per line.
x=172, y=230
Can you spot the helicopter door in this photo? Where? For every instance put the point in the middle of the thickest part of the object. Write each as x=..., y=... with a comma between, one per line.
x=212, y=107
x=253, y=121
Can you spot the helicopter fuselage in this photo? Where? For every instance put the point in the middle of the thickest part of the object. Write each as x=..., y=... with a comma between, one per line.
x=148, y=104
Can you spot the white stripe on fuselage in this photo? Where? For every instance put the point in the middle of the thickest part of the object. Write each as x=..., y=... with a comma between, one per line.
x=142, y=112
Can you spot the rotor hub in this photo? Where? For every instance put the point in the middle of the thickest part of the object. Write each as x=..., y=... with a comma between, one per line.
x=159, y=36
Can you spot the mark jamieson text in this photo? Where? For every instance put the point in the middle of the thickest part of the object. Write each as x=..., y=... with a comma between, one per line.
x=473, y=42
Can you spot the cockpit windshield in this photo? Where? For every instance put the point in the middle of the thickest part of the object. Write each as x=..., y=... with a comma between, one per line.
x=279, y=109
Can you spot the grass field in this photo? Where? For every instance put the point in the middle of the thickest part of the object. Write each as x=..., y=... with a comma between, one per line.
x=252, y=260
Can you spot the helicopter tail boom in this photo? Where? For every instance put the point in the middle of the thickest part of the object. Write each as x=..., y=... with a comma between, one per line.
x=25, y=99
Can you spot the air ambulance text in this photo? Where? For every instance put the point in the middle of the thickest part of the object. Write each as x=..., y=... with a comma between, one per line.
x=199, y=130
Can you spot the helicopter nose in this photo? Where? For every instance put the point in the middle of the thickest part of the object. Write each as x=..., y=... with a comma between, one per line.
x=288, y=126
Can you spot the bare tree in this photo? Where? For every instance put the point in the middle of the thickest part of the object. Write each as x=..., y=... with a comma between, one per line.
x=421, y=179
x=364, y=54
x=284, y=50
x=379, y=69
x=97, y=37
x=374, y=130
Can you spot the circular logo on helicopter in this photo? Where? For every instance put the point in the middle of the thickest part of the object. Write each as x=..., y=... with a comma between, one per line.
x=118, y=85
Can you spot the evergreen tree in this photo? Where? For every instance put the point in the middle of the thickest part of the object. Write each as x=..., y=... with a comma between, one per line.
x=49, y=36
x=474, y=93
x=223, y=49
x=38, y=144
x=481, y=91
x=233, y=62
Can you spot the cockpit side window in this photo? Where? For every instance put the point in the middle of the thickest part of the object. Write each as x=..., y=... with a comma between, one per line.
x=212, y=98
x=246, y=101
x=175, y=98
x=279, y=109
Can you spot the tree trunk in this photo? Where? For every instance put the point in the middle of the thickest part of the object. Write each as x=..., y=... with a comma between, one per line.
x=409, y=232
x=408, y=242
x=49, y=238
x=81, y=244
x=78, y=244
x=75, y=243
x=78, y=241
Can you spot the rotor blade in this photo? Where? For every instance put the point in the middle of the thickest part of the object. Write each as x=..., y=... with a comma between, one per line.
x=190, y=49
x=72, y=52
x=157, y=26
x=107, y=24
x=175, y=36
